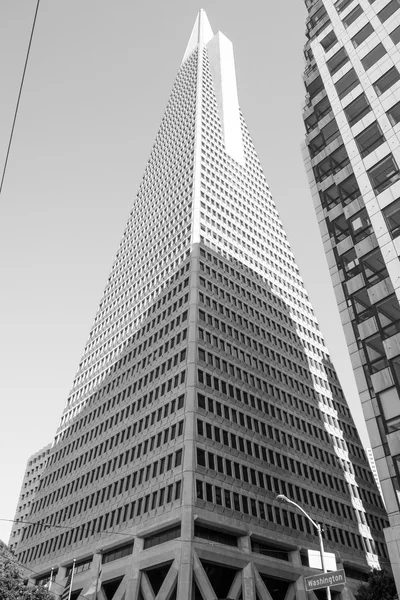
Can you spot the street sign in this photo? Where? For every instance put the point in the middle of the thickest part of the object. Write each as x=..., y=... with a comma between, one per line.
x=323, y=580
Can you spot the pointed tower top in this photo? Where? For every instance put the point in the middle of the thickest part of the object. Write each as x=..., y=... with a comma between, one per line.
x=201, y=33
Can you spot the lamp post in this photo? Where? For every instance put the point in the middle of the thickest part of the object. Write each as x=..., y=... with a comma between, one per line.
x=317, y=526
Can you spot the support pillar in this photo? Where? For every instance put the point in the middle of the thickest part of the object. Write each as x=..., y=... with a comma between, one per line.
x=299, y=586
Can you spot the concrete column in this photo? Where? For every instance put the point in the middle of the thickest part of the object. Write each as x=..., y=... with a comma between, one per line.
x=244, y=543
x=299, y=586
x=248, y=583
x=133, y=575
x=58, y=587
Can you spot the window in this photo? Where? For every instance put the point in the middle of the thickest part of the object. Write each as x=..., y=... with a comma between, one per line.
x=337, y=61
x=346, y=83
x=339, y=228
x=361, y=226
x=352, y=16
x=386, y=81
x=349, y=190
x=315, y=87
x=327, y=135
x=350, y=263
x=369, y=139
x=362, y=35
x=384, y=174
x=394, y=114
x=214, y=535
x=390, y=403
x=117, y=553
x=160, y=538
x=329, y=41
x=392, y=217
x=342, y=4
x=356, y=110
x=389, y=316
x=332, y=164
x=376, y=353
x=388, y=10
x=395, y=35
x=374, y=267
x=372, y=57
x=330, y=197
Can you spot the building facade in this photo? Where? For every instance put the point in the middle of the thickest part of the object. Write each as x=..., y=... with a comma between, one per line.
x=205, y=389
x=34, y=468
x=371, y=460
x=352, y=156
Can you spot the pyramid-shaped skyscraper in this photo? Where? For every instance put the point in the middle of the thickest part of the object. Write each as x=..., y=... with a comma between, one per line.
x=204, y=390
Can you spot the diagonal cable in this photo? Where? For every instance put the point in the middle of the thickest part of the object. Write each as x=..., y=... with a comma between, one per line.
x=19, y=98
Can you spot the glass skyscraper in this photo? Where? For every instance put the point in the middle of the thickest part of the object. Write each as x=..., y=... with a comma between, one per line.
x=205, y=388
x=352, y=156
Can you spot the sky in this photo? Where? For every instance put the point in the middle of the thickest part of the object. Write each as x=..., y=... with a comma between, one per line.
x=96, y=87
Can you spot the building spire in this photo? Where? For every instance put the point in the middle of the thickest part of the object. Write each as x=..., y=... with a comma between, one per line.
x=201, y=33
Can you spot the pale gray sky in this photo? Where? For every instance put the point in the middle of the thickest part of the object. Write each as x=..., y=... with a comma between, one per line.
x=97, y=84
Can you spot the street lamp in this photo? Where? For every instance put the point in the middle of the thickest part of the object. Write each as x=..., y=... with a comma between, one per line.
x=318, y=527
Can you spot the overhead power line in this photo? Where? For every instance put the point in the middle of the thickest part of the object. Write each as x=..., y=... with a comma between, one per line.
x=19, y=98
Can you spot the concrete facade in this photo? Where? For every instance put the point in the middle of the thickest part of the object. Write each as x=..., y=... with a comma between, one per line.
x=352, y=153
x=205, y=389
x=34, y=468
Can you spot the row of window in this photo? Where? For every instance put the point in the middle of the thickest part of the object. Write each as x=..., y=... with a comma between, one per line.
x=108, y=358
x=133, y=453
x=281, y=436
x=254, y=329
x=241, y=503
x=274, y=485
x=128, y=483
x=240, y=395
x=178, y=379
x=119, y=438
x=160, y=370
x=103, y=345
x=272, y=457
x=104, y=523
x=127, y=356
x=254, y=300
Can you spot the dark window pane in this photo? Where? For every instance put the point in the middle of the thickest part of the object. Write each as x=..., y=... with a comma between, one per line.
x=342, y=4
x=352, y=16
x=369, y=139
x=384, y=174
x=311, y=122
x=392, y=216
x=357, y=109
x=394, y=114
x=350, y=263
x=315, y=87
x=322, y=108
x=330, y=197
x=389, y=10
x=372, y=57
x=349, y=189
x=332, y=164
x=346, y=83
x=386, y=81
x=374, y=267
x=389, y=316
x=395, y=35
x=329, y=41
x=362, y=35
x=337, y=61
x=339, y=228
